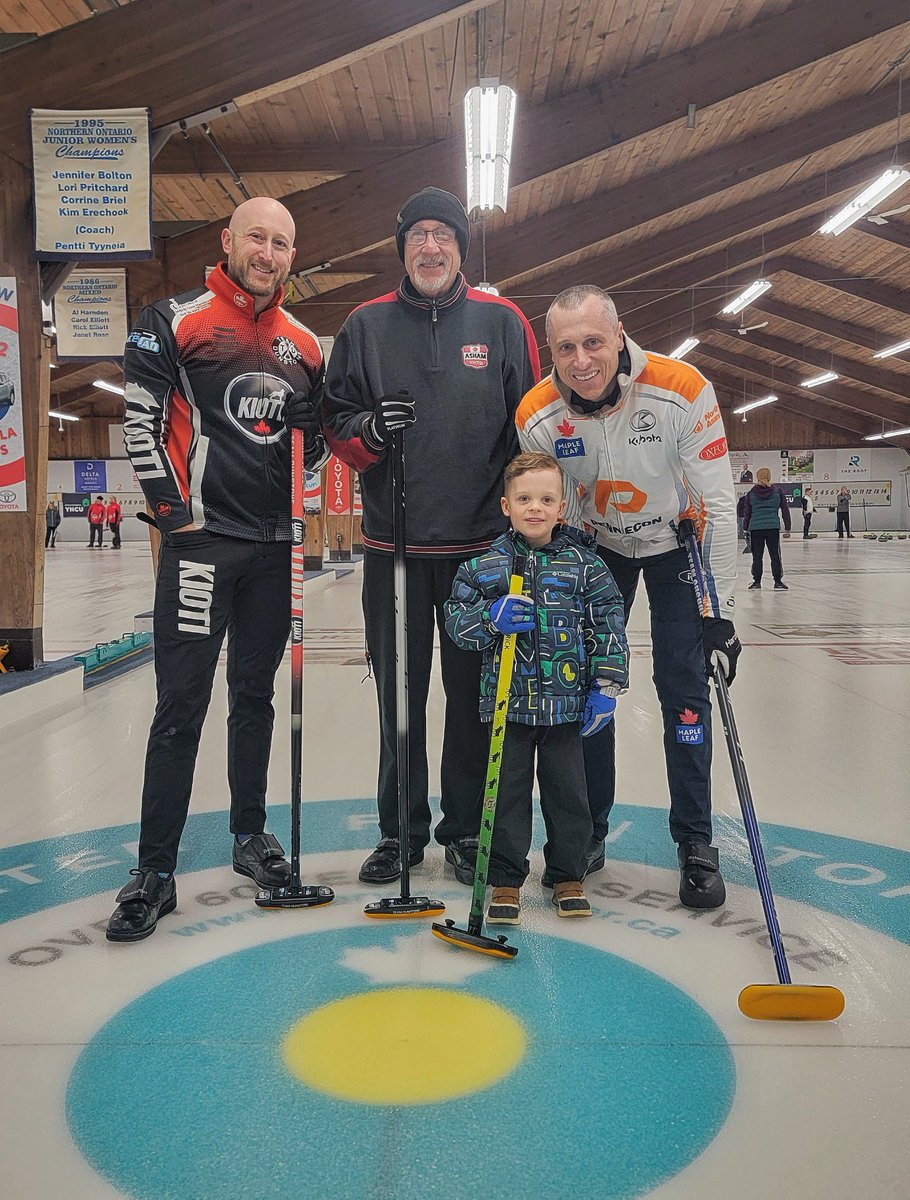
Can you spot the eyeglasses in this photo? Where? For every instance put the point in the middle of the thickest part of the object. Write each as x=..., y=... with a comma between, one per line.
x=441, y=236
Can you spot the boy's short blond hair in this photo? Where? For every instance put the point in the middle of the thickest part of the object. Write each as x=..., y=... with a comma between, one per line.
x=531, y=460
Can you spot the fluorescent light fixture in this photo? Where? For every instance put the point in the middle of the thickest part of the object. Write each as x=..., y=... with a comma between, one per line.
x=489, y=123
x=487, y=287
x=755, y=404
x=62, y=416
x=53, y=366
x=817, y=380
x=879, y=437
x=897, y=348
x=752, y=292
x=889, y=181
x=108, y=387
x=684, y=347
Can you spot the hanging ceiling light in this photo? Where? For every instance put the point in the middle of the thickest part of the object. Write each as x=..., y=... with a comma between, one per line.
x=684, y=347
x=752, y=292
x=877, y=191
x=61, y=416
x=878, y=437
x=489, y=122
x=756, y=404
x=108, y=387
x=818, y=380
x=897, y=348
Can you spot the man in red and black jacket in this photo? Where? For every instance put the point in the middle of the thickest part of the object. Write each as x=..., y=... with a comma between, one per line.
x=114, y=514
x=213, y=378
x=95, y=515
x=448, y=364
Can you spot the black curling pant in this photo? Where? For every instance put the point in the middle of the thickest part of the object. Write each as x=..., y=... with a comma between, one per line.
x=465, y=740
x=208, y=586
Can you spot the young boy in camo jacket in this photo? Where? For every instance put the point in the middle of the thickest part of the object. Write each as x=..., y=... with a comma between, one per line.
x=571, y=662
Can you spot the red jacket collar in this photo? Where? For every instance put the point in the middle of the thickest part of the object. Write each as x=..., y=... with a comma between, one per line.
x=237, y=297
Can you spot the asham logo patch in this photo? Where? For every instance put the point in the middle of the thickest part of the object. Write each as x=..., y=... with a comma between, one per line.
x=713, y=450
x=255, y=404
x=476, y=355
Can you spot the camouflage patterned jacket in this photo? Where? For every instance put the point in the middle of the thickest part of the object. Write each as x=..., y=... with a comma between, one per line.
x=579, y=636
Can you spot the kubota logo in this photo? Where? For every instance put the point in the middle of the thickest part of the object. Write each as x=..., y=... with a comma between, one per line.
x=621, y=494
x=713, y=450
x=255, y=404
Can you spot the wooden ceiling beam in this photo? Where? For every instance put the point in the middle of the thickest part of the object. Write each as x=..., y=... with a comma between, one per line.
x=858, y=400
x=164, y=55
x=838, y=419
x=188, y=155
x=818, y=322
x=839, y=281
x=892, y=383
x=355, y=213
x=896, y=235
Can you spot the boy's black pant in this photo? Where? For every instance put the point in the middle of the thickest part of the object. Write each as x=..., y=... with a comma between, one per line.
x=465, y=740
x=771, y=539
x=563, y=802
x=209, y=585
x=678, y=657
x=807, y=521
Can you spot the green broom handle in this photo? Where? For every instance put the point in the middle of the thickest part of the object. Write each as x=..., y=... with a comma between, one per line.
x=497, y=737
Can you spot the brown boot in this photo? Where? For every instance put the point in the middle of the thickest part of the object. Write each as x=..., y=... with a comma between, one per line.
x=505, y=907
x=570, y=900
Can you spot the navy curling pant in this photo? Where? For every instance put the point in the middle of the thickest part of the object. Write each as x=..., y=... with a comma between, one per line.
x=678, y=659
x=208, y=586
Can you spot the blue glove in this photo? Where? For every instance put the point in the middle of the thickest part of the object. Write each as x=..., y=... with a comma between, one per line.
x=513, y=614
x=598, y=714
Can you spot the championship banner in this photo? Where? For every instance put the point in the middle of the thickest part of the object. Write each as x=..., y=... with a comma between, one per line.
x=92, y=174
x=337, y=488
x=90, y=314
x=12, y=446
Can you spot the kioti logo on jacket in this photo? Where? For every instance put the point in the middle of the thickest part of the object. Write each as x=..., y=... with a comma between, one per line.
x=255, y=404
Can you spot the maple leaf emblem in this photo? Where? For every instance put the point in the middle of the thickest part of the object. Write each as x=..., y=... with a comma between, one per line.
x=262, y=428
x=687, y=717
x=566, y=428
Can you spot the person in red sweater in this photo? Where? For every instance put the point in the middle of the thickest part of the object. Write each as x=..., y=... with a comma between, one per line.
x=96, y=514
x=114, y=517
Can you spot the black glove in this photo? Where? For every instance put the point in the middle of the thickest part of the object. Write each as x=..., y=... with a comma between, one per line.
x=301, y=411
x=390, y=414
x=722, y=646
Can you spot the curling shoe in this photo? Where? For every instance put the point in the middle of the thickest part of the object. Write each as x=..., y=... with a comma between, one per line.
x=140, y=905
x=384, y=864
x=701, y=884
x=570, y=899
x=261, y=858
x=462, y=855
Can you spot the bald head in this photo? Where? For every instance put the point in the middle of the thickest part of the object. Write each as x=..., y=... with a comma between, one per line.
x=259, y=244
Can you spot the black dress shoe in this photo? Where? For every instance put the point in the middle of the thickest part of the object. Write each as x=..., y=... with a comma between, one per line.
x=261, y=858
x=140, y=904
x=701, y=884
x=384, y=864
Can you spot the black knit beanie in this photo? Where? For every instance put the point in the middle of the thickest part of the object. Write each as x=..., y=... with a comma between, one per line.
x=433, y=204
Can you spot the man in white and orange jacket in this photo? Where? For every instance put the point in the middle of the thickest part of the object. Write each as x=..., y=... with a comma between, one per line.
x=641, y=441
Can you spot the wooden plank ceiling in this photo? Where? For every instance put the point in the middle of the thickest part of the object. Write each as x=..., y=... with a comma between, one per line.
x=797, y=109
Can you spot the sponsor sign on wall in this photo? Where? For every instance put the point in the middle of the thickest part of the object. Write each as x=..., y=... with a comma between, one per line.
x=874, y=493
x=76, y=504
x=337, y=488
x=92, y=174
x=90, y=315
x=12, y=444
x=801, y=465
x=853, y=464
x=90, y=476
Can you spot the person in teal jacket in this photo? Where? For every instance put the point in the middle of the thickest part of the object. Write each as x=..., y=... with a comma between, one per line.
x=571, y=662
x=765, y=503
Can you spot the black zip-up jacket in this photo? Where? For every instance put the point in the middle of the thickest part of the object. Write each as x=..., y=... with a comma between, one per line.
x=206, y=382
x=467, y=358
